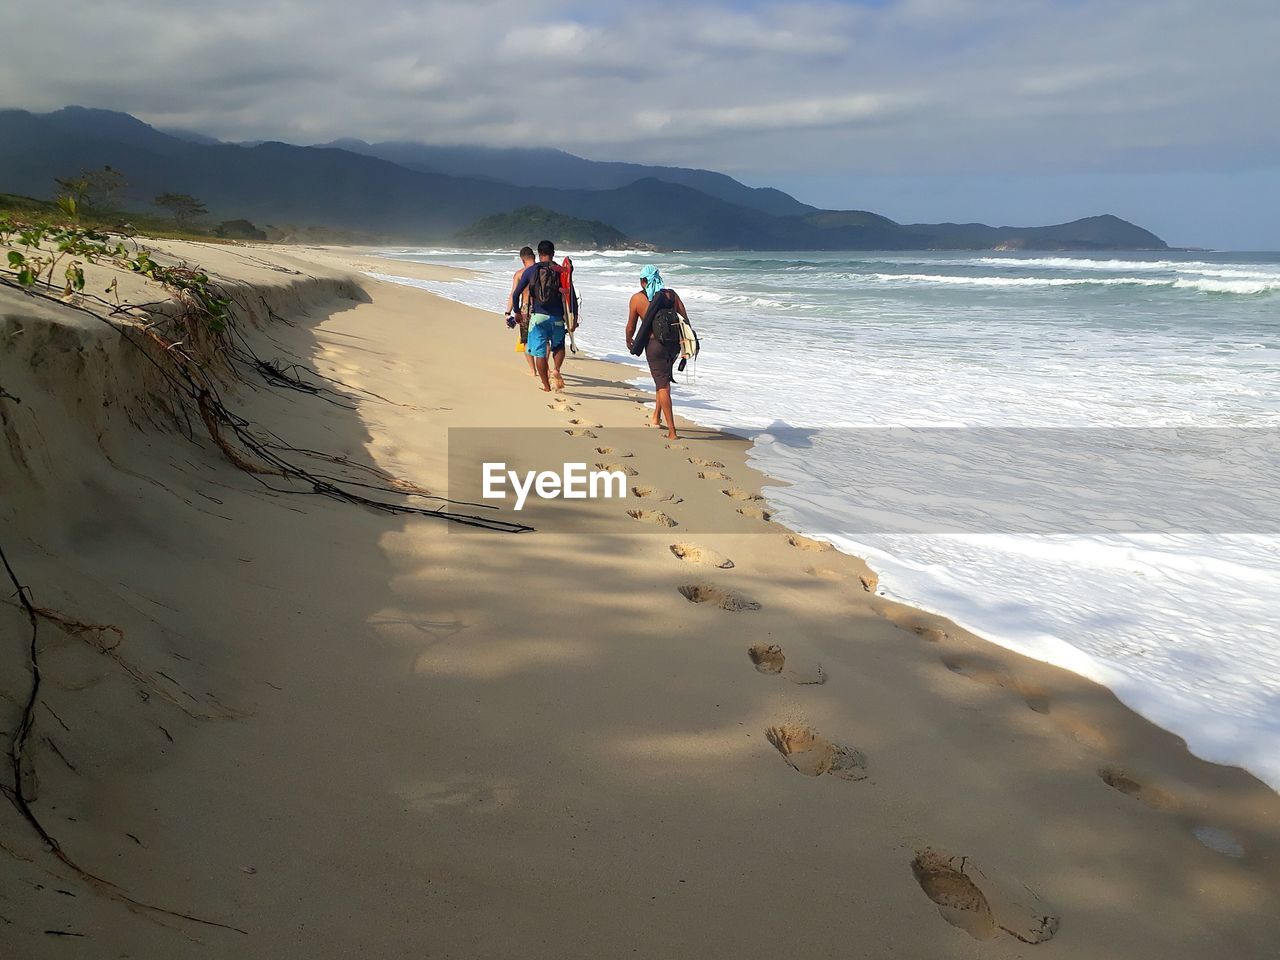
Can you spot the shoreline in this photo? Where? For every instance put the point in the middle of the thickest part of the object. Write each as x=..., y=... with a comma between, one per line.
x=1024, y=675
x=423, y=727
x=1071, y=657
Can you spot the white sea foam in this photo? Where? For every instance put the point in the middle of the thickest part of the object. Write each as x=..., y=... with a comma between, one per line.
x=1246, y=287
x=1082, y=263
x=1183, y=628
x=1206, y=285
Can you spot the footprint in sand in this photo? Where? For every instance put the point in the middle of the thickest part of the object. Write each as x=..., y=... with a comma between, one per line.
x=869, y=581
x=813, y=755
x=930, y=634
x=975, y=903
x=769, y=658
x=581, y=433
x=1166, y=800
x=713, y=475
x=1130, y=785
x=699, y=462
x=724, y=599
x=804, y=543
x=824, y=573
x=562, y=407
x=735, y=493
x=611, y=452
x=653, y=493
x=652, y=516
x=578, y=422
x=701, y=555
x=756, y=513
x=993, y=675
x=618, y=468
x=1085, y=733
x=677, y=446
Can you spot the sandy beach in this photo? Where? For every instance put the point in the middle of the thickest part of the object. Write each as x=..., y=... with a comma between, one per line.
x=274, y=724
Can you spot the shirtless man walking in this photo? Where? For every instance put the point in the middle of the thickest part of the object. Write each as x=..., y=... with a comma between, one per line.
x=652, y=297
x=520, y=311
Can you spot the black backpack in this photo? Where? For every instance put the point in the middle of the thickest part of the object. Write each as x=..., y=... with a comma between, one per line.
x=546, y=285
x=665, y=327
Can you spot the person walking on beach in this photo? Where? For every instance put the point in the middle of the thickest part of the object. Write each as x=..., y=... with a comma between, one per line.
x=519, y=311
x=546, y=320
x=653, y=328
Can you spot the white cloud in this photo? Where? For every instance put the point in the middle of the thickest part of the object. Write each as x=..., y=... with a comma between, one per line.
x=550, y=41
x=813, y=112
x=799, y=30
x=930, y=86
x=1073, y=79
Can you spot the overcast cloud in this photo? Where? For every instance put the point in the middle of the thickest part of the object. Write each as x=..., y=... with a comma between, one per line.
x=919, y=109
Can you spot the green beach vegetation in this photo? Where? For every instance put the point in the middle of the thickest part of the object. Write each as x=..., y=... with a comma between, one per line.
x=39, y=254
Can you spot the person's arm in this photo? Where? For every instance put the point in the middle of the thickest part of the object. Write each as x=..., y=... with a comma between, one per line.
x=511, y=294
x=633, y=317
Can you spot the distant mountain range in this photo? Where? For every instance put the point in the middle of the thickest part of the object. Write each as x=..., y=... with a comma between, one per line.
x=417, y=193
x=564, y=171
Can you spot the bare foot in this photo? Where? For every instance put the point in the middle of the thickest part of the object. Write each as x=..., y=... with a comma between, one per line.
x=558, y=382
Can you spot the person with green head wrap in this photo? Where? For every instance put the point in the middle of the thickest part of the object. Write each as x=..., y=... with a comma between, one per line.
x=654, y=306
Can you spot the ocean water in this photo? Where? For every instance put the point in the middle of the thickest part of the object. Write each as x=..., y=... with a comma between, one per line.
x=809, y=352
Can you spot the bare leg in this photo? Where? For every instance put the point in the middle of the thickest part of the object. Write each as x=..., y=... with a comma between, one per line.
x=541, y=365
x=558, y=359
x=524, y=339
x=663, y=407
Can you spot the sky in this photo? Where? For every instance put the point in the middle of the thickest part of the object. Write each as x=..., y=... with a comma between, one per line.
x=1012, y=112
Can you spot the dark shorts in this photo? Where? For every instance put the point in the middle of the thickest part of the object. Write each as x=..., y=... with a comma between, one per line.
x=660, y=362
x=523, y=327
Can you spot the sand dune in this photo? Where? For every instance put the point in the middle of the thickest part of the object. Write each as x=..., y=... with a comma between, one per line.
x=272, y=723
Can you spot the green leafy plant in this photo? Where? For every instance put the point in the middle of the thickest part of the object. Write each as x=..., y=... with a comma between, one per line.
x=26, y=271
x=45, y=247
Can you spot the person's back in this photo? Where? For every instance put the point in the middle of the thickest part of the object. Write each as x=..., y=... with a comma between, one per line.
x=546, y=321
x=637, y=306
x=664, y=320
x=653, y=329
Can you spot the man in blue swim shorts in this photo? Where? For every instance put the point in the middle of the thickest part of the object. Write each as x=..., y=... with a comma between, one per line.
x=546, y=321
